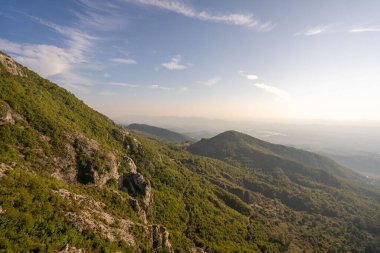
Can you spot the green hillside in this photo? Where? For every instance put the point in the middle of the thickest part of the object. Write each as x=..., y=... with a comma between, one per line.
x=159, y=133
x=70, y=177
x=246, y=151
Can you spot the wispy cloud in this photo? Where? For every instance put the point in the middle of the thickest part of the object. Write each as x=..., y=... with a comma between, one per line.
x=273, y=90
x=337, y=28
x=54, y=61
x=126, y=61
x=181, y=8
x=99, y=15
x=211, y=81
x=363, y=29
x=268, y=88
x=316, y=30
x=248, y=76
x=124, y=85
x=175, y=64
x=159, y=87
x=151, y=86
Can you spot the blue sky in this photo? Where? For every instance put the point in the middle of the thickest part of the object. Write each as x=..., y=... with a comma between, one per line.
x=283, y=60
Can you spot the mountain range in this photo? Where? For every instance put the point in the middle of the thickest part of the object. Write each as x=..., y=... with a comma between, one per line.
x=71, y=180
x=159, y=133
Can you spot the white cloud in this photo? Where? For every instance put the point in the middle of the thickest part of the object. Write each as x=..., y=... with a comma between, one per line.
x=124, y=85
x=126, y=61
x=362, y=29
x=175, y=64
x=273, y=90
x=337, y=28
x=55, y=62
x=211, y=82
x=46, y=60
x=181, y=8
x=316, y=30
x=248, y=76
x=159, y=87
x=145, y=86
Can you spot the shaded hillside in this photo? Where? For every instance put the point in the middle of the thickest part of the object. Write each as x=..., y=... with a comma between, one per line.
x=70, y=176
x=242, y=149
x=159, y=133
x=302, y=180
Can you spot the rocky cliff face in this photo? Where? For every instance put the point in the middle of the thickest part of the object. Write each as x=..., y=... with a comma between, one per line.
x=135, y=184
x=93, y=217
x=10, y=65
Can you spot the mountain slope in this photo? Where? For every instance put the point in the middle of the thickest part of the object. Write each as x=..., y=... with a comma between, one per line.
x=159, y=133
x=70, y=176
x=282, y=172
x=244, y=150
x=99, y=187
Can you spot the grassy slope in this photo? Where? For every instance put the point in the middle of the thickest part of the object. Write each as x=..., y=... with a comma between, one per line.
x=203, y=202
x=49, y=114
x=244, y=150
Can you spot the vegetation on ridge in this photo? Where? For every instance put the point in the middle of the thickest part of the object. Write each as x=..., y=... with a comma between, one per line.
x=159, y=133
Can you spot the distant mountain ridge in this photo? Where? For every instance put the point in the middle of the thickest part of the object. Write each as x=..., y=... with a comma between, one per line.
x=240, y=149
x=237, y=145
x=159, y=133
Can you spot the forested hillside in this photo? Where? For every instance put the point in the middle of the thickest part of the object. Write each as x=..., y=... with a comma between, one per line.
x=71, y=179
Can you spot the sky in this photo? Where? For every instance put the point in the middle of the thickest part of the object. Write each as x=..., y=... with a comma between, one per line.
x=246, y=59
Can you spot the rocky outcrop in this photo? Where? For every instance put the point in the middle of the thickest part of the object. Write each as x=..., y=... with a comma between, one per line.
x=10, y=65
x=136, y=207
x=101, y=177
x=160, y=237
x=80, y=161
x=3, y=169
x=131, y=164
x=92, y=217
x=70, y=249
x=135, y=184
x=7, y=115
